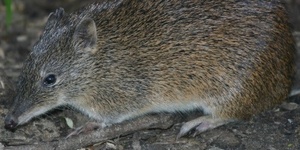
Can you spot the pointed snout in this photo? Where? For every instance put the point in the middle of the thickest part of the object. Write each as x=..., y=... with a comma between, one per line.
x=10, y=122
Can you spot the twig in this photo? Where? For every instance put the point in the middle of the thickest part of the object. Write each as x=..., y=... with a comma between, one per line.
x=147, y=122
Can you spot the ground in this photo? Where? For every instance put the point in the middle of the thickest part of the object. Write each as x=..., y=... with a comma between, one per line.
x=276, y=129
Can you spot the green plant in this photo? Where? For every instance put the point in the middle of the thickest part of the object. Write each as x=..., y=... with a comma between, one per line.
x=8, y=17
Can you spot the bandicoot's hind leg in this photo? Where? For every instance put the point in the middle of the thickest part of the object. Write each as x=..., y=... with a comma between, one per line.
x=201, y=124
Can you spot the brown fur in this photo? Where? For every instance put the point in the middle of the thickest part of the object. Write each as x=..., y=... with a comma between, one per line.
x=232, y=59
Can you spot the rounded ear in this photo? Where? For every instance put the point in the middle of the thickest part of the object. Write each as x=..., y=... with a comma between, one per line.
x=85, y=36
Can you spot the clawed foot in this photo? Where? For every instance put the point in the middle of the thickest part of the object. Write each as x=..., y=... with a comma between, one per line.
x=88, y=127
x=200, y=125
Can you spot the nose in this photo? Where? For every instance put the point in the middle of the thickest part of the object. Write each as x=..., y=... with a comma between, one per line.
x=10, y=122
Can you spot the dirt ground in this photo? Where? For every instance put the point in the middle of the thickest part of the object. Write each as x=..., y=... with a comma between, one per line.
x=276, y=129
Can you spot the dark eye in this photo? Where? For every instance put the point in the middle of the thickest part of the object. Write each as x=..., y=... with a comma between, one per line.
x=50, y=80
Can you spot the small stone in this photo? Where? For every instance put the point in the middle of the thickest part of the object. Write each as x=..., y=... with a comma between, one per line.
x=271, y=148
x=277, y=123
x=289, y=106
x=22, y=38
x=215, y=148
x=105, y=146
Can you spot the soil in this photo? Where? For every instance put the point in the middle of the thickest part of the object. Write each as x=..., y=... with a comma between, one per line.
x=276, y=129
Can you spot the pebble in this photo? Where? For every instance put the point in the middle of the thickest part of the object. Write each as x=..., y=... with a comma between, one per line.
x=289, y=106
x=22, y=38
x=215, y=148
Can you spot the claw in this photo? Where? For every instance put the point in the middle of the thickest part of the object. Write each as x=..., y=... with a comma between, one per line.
x=88, y=127
x=201, y=124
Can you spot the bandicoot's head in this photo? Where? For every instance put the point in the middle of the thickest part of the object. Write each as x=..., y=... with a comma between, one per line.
x=60, y=63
